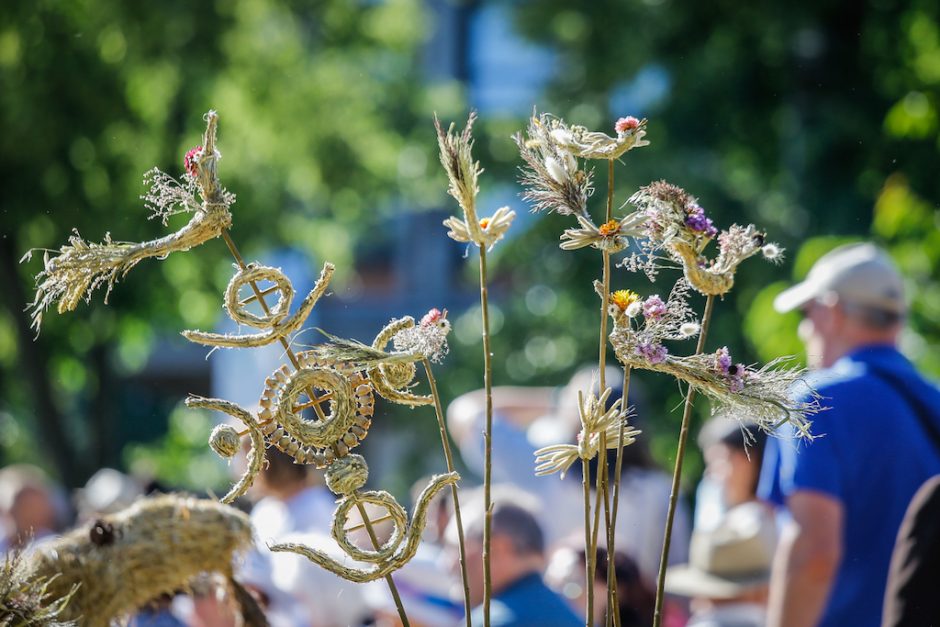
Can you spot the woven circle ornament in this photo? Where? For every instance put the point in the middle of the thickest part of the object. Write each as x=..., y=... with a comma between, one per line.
x=396, y=513
x=237, y=310
x=345, y=423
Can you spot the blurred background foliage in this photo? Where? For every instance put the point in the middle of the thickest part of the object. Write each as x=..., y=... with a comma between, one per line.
x=816, y=120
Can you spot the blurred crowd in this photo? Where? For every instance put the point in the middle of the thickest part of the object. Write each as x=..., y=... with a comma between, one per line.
x=737, y=562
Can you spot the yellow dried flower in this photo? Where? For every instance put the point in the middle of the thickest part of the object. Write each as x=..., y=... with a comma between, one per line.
x=623, y=299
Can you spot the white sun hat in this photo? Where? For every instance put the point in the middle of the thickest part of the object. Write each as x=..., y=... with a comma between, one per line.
x=859, y=274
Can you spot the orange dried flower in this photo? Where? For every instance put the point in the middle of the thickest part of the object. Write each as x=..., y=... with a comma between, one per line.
x=609, y=228
x=485, y=222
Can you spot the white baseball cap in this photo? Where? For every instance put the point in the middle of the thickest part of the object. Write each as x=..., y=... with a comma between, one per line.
x=860, y=274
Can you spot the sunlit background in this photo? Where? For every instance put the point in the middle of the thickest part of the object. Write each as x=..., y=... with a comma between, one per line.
x=816, y=120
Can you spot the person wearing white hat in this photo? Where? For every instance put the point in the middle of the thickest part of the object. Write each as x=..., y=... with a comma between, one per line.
x=879, y=439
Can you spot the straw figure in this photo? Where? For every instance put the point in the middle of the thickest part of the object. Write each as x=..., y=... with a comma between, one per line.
x=120, y=562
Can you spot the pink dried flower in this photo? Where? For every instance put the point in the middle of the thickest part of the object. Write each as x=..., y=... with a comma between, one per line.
x=433, y=317
x=626, y=124
x=654, y=307
x=189, y=161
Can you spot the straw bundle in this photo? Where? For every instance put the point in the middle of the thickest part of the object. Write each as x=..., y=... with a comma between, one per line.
x=153, y=547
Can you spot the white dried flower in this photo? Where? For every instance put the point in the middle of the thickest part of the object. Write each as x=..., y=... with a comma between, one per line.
x=571, y=163
x=492, y=229
x=562, y=136
x=772, y=252
x=556, y=170
x=689, y=329
x=634, y=309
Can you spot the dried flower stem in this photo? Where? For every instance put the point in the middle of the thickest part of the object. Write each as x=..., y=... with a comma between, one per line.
x=611, y=530
x=453, y=488
x=677, y=473
x=388, y=578
x=259, y=296
x=487, y=441
x=588, y=556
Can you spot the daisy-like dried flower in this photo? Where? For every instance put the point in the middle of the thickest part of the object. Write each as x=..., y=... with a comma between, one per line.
x=428, y=338
x=492, y=229
x=611, y=236
x=595, y=420
x=627, y=124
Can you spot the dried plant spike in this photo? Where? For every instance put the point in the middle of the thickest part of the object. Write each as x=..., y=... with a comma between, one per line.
x=276, y=331
x=763, y=394
x=552, y=178
x=462, y=172
x=390, y=380
x=81, y=267
x=405, y=541
x=155, y=546
x=25, y=600
x=255, y=453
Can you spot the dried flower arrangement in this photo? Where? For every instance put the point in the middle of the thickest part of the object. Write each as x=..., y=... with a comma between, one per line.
x=668, y=229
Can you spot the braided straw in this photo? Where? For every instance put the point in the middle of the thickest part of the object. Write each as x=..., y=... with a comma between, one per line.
x=255, y=274
x=255, y=454
x=385, y=562
x=390, y=380
x=347, y=474
x=704, y=279
x=154, y=547
x=276, y=330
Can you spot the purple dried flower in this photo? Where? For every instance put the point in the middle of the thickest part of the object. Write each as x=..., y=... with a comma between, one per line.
x=652, y=352
x=654, y=307
x=696, y=220
x=723, y=360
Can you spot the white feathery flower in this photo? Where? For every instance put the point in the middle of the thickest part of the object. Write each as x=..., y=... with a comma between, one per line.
x=689, y=329
x=633, y=310
x=772, y=252
x=556, y=170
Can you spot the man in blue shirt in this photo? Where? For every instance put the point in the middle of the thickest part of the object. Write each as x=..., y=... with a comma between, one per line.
x=848, y=489
x=520, y=597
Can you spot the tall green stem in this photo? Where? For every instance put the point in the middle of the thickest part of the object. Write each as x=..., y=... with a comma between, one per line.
x=588, y=556
x=487, y=441
x=453, y=488
x=603, y=496
x=677, y=473
x=613, y=603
